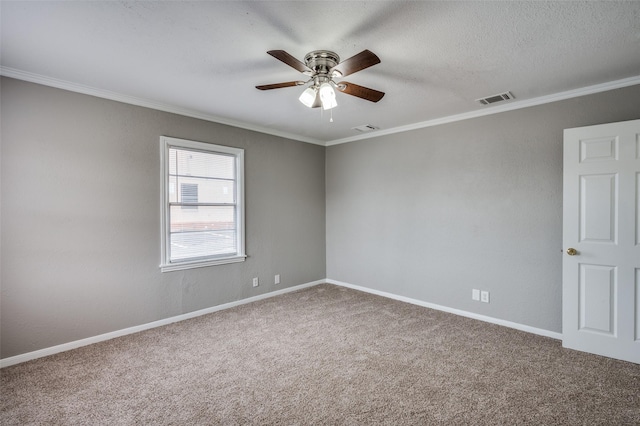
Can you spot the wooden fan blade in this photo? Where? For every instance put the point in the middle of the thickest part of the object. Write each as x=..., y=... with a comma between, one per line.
x=356, y=63
x=280, y=85
x=360, y=91
x=283, y=56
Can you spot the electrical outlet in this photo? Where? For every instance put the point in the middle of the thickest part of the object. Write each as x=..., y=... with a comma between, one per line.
x=276, y=280
x=484, y=296
x=255, y=282
x=475, y=294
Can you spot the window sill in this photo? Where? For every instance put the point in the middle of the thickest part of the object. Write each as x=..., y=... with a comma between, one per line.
x=201, y=263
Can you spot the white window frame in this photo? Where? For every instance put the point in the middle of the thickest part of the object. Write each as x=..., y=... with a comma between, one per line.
x=165, y=144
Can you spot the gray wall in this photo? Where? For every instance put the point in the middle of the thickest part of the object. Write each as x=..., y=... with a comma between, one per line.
x=428, y=214
x=81, y=220
x=432, y=213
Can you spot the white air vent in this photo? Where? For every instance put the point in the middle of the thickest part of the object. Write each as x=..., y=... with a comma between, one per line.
x=365, y=128
x=496, y=98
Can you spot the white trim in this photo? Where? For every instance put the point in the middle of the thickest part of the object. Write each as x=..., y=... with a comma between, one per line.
x=521, y=327
x=147, y=103
x=6, y=362
x=199, y=263
x=510, y=106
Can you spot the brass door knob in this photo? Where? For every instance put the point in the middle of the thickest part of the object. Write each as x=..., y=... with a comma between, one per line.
x=571, y=251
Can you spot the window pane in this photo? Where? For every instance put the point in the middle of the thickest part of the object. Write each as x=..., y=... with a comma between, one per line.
x=203, y=190
x=205, y=218
x=217, y=191
x=188, y=245
x=201, y=164
x=207, y=231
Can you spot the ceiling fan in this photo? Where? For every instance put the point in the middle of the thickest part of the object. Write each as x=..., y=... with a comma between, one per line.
x=322, y=66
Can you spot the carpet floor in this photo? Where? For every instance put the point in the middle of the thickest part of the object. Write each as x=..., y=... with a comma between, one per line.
x=323, y=355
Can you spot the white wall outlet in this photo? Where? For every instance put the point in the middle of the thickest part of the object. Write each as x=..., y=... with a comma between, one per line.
x=475, y=294
x=255, y=282
x=484, y=296
x=276, y=279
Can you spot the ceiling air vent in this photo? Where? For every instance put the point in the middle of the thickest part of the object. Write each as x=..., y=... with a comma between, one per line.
x=496, y=98
x=365, y=128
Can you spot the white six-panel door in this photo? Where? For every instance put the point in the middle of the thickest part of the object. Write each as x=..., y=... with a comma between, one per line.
x=601, y=237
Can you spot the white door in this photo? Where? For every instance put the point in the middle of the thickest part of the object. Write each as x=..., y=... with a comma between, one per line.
x=601, y=238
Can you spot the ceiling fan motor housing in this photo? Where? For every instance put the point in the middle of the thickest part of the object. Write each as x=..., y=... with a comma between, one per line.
x=321, y=62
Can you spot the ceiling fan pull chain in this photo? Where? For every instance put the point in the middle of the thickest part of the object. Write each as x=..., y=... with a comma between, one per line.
x=331, y=119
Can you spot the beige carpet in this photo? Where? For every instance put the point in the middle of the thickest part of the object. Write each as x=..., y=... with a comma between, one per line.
x=324, y=355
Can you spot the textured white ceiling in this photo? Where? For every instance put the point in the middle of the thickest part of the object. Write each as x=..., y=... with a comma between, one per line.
x=437, y=57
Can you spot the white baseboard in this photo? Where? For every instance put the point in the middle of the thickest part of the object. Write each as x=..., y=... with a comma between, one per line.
x=521, y=327
x=6, y=362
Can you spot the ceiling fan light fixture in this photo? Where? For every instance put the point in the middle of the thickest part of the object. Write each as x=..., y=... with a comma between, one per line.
x=308, y=97
x=322, y=66
x=327, y=96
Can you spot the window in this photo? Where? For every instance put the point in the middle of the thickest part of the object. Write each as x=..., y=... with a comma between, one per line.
x=202, y=204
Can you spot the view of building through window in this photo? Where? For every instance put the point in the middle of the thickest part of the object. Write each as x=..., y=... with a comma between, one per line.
x=189, y=195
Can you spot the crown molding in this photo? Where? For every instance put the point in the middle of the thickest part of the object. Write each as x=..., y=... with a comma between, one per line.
x=147, y=103
x=517, y=104
x=525, y=103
